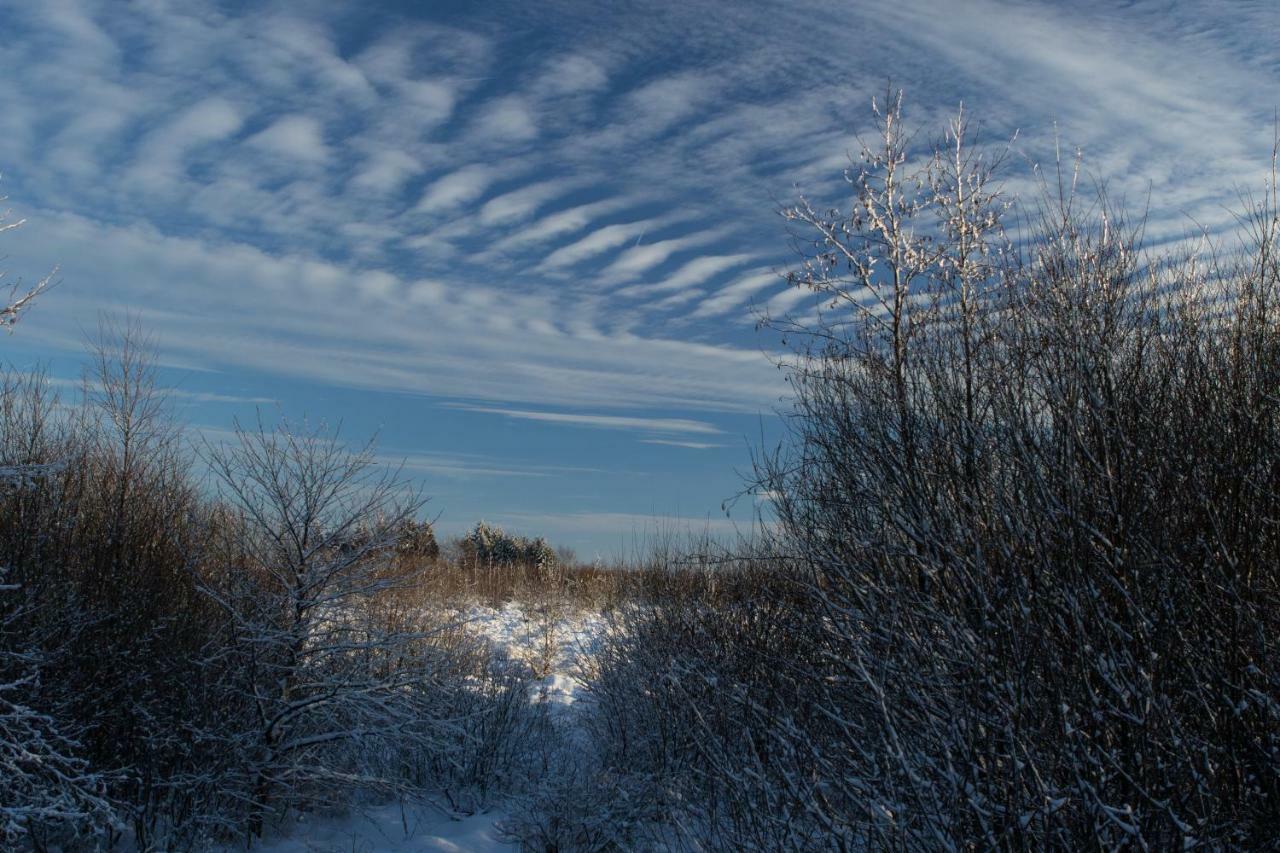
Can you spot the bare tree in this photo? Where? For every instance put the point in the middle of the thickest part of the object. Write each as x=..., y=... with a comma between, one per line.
x=301, y=574
x=1024, y=591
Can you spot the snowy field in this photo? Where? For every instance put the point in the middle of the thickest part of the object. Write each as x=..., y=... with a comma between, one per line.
x=547, y=646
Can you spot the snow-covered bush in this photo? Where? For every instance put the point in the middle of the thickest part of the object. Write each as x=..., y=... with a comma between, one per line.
x=701, y=710
x=47, y=789
x=1032, y=491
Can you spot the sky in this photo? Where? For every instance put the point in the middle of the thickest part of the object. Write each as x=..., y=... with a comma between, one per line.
x=527, y=244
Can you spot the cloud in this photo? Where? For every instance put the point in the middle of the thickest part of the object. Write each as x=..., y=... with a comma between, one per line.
x=572, y=74
x=296, y=316
x=487, y=188
x=385, y=171
x=564, y=222
x=522, y=203
x=456, y=188
x=507, y=119
x=639, y=525
x=679, y=425
x=692, y=273
x=692, y=445
x=599, y=241
x=213, y=397
x=663, y=102
x=734, y=295
x=210, y=120
x=296, y=137
x=453, y=466
x=786, y=300
x=642, y=258
x=161, y=155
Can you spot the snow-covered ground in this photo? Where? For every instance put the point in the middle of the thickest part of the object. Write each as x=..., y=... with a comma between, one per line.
x=547, y=646
x=550, y=644
x=391, y=829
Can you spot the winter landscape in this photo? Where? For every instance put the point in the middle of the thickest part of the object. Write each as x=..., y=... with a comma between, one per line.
x=800, y=426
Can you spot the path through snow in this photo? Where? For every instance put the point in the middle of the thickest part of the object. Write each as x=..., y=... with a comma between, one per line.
x=549, y=649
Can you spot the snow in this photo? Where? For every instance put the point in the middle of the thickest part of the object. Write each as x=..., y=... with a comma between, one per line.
x=389, y=829
x=519, y=635
x=547, y=645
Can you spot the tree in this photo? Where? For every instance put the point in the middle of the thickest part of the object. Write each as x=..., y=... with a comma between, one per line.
x=301, y=575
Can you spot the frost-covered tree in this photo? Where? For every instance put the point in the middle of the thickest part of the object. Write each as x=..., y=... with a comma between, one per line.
x=491, y=545
x=11, y=309
x=301, y=574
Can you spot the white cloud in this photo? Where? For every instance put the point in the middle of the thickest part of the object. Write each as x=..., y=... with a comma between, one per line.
x=385, y=171
x=692, y=273
x=786, y=300
x=522, y=203
x=212, y=119
x=296, y=137
x=692, y=445
x=668, y=100
x=601, y=421
x=597, y=242
x=506, y=120
x=564, y=222
x=457, y=188
x=566, y=75
x=643, y=257
x=730, y=297
x=296, y=316
x=519, y=289
x=160, y=157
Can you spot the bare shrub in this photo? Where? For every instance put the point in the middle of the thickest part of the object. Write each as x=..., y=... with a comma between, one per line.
x=1032, y=492
x=98, y=546
x=1024, y=590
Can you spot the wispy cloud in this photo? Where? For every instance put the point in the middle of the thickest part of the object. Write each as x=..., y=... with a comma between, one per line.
x=465, y=185
x=692, y=445
x=522, y=203
x=598, y=242
x=507, y=119
x=642, y=258
x=737, y=293
x=499, y=204
x=680, y=425
x=296, y=137
x=695, y=272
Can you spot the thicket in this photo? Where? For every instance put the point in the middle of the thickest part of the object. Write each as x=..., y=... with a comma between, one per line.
x=1024, y=591
x=198, y=640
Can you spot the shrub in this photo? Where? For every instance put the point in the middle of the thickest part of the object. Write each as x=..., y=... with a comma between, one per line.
x=1032, y=490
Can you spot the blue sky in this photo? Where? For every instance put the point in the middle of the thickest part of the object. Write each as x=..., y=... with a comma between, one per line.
x=527, y=241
